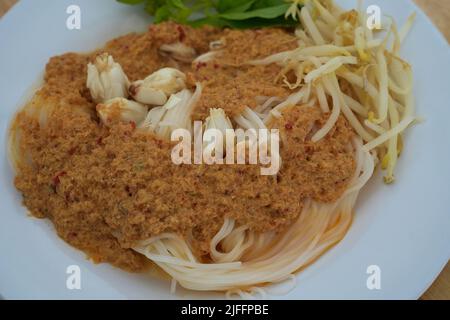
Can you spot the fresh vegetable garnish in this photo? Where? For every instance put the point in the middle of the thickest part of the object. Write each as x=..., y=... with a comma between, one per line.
x=239, y=14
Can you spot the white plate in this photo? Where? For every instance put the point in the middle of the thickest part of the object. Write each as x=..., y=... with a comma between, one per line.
x=403, y=228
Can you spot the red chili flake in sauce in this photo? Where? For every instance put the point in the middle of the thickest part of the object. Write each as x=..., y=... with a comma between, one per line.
x=200, y=65
x=288, y=126
x=72, y=151
x=100, y=141
x=133, y=125
x=56, y=178
x=257, y=33
x=308, y=149
x=216, y=66
x=181, y=33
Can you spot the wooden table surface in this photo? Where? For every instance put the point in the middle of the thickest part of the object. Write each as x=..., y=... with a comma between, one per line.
x=439, y=12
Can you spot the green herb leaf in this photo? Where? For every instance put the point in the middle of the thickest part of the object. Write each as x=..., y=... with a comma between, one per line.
x=266, y=13
x=234, y=5
x=214, y=21
x=162, y=14
x=255, y=23
x=152, y=6
x=178, y=4
x=260, y=4
x=219, y=13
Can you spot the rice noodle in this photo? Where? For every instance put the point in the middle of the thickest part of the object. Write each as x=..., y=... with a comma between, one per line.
x=318, y=227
